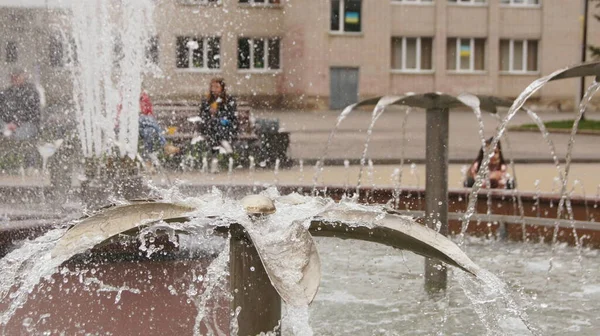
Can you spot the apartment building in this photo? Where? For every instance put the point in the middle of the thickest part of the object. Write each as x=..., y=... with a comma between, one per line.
x=329, y=53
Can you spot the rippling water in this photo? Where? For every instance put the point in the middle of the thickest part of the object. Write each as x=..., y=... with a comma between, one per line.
x=370, y=289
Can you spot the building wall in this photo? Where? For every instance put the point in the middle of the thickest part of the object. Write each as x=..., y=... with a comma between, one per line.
x=31, y=30
x=554, y=25
x=309, y=49
x=228, y=20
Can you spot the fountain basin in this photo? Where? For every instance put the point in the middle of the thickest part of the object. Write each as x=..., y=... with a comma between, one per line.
x=116, y=289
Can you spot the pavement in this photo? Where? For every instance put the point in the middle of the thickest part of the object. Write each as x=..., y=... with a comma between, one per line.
x=396, y=135
x=398, y=143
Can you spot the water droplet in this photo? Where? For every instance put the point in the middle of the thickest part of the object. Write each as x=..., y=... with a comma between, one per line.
x=252, y=268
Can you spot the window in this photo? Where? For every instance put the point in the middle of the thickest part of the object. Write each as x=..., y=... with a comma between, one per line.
x=345, y=15
x=259, y=53
x=11, y=52
x=198, y=52
x=198, y=2
x=152, y=50
x=468, y=2
x=261, y=2
x=412, y=53
x=61, y=52
x=413, y=1
x=519, y=55
x=56, y=52
x=466, y=54
x=520, y=2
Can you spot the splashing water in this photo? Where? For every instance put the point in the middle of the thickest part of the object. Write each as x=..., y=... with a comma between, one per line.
x=301, y=171
x=276, y=171
x=107, y=85
x=347, y=172
x=395, y=177
x=487, y=303
x=24, y=267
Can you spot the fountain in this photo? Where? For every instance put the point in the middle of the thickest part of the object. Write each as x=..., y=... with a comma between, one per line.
x=216, y=264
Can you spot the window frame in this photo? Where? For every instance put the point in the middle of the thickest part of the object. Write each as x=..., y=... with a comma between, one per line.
x=511, y=3
x=200, y=2
x=468, y=2
x=11, y=52
x=341, y=30
x=418, y=69
x=56, y=52
x=471, y=69
x=511, y=57
x=265, y=3
x=266, y=41
x=190, y=57
x=413, y=2
x=152, y=51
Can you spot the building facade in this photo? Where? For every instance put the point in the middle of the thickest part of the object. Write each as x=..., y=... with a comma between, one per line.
x=330, y=53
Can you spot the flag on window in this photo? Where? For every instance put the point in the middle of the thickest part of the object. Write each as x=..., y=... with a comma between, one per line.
x=465, y=51
x=351, y=17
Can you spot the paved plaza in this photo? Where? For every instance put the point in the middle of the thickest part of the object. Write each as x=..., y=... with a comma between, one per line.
x=393, y=147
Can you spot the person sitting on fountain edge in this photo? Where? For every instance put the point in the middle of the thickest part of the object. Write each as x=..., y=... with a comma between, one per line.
x=498, y=175
x=151, y=134
x=218, y=117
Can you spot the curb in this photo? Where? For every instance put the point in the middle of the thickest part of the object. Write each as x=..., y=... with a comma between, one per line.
x=553, y=130
x=408, y=161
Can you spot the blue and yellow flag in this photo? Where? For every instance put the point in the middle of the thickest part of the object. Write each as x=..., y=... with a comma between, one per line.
x=351, y=17
x=465, y=51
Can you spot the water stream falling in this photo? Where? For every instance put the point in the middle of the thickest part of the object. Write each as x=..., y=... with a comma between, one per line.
x=377, y=112
x=561, y=178
x=110, y=38
x=347, y=173
x=276, y=171
x=516, y=106
x=204, y=168
x=321, y=161
x=403, y=142
x=301, y=172
x=591, y=90
x=395, y=177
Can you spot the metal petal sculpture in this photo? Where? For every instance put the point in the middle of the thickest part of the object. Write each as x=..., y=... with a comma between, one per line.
x=290, y=257
x=111, y=221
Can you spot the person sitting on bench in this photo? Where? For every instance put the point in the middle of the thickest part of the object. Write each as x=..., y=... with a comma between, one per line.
x=151, y=135
x=218, y=123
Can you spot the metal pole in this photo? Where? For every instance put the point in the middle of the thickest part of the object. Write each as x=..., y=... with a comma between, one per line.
x=436, y=190
x=251, y=288
x=583, y=53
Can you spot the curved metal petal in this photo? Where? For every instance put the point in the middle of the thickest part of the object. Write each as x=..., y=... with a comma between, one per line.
x=292, y=262
x=397, y=231
x=581, y=70
x=111, y=221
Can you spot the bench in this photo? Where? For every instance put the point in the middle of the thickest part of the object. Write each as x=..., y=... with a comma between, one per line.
x=266, y=146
